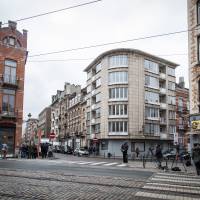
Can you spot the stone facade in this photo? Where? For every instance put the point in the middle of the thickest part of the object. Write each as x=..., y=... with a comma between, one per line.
x=117, y=86
x=13, y=54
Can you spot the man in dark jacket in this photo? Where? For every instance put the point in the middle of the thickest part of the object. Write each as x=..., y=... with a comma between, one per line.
x=196, y=157
x=124, y=150
x=158, y=155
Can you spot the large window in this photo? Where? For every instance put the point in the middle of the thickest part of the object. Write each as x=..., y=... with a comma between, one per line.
x=151, y=66
x=171, y=85
x=151, y=82
x=172, y=129
x=118, y=128
x=180, y=104
x=97, y=128
x=152, y=129
x=172, y=114
x=118, y=77
x=98, y=67
x=10, y=71
x=118, y=110
x=151, y=112
x=98, y=97
x=171, y=71
x=151, y=97
x=97, y=113
x=119, y=93
x=172, y=100
x=98, y=82
x=8, y=104
x=118, y=61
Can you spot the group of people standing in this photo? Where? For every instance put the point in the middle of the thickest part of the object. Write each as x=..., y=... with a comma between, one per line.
x=28, y=151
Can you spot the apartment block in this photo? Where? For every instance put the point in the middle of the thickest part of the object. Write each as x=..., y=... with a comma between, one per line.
x=13, y=54
x=130, y=97
x=194, y=68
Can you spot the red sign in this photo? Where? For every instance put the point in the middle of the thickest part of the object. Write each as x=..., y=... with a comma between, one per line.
x=52, y=135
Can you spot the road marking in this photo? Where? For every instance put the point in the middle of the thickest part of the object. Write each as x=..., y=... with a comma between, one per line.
x=122, y=165
x=177, y=178
x=109, y=164
x=172, y=180
x=83, y=163
x=173, y=174
x=163, y=196
x=174, y=189
x=171, y=185
x=98, y=163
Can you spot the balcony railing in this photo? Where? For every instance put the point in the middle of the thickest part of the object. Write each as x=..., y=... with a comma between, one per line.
x=8, y=114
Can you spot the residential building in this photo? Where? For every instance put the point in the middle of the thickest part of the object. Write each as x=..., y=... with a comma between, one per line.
x=182, y=114
x=194, y=68
x=130, y=94
x=44, y=122
x=13, y=54
x=76, y=125
x=31, y=131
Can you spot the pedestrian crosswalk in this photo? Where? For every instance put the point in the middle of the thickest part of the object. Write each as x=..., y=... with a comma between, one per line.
x=171, y=186
x=67, y=162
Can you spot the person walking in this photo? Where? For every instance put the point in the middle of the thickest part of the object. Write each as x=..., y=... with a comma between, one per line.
x=137, y=151
x=124, y=150
x=4, y=150
x=159, y=155
x=196, y=157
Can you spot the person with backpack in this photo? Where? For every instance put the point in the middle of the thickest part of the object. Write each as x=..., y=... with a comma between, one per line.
x=124, y=150
x=196, y=157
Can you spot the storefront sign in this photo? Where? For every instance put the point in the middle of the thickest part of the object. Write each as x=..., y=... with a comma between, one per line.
x=196, y=125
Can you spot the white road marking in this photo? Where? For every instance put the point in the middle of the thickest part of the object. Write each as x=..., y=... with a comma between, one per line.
x=122, y=165
x=109, y=164
x=98, y=163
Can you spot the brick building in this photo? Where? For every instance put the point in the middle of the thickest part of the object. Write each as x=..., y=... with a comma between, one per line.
x=13, y=54
x=182, y=114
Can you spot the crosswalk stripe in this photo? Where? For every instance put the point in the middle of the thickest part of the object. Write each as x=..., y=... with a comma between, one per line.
x=171, y=185
x=178, y=178
x=162, y=196
x=83, y=163
x=109, y=164
x=122, y=165
x=174, y=189
x=173, y=174
x=175, y=180
x=98, y=163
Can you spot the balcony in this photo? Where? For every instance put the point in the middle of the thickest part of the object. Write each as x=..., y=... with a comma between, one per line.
x=93, y=121
x=163, y=91
x=7, y=114
x=93, y=107
x=162, y=76
x=163, y=106
x=8, y=80
x=93, y=92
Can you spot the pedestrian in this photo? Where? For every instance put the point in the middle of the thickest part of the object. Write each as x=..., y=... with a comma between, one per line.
x=137, y=151
x=124, y=150
x=4, y=150
x=196, y=157
x=159, y=155
x=94, y=150
x=177, y=147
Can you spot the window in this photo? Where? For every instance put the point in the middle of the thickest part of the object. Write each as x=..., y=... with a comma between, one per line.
x=118, y=93
x=88, y=116
x=171, y=85
x=118, y=61
x=98, y=113
x=11, y=41
x=89, y=75
x=98, y=67
x=151, y=97
x=172, y=100
x=151, y=82
x=198, y=12
x=172, y=129
x=8, y=104
x=98, y=82
x=118, y=77
x=118, y=110
x=151, y=112
x=89, y=88
x=151, y=66
x=98, y=97
x=152, y=129
x=180, y=104
x=104, y=145
x=171, y=71
x=10, y=71
x=118, y=128
x=172, y=114
x=198, y=41
x=97, y=128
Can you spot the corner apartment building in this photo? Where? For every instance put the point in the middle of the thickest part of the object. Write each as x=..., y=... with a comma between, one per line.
x=194, y=68
x=44, y=122
x=130, y=97
x=31, y=131
x=182, y=114
x=13, y=54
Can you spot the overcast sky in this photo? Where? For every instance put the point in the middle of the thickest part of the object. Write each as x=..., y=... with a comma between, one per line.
x=102, y=22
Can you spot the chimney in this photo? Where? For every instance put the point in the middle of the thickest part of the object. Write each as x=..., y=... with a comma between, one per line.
x=181, y=82
x=12, y=25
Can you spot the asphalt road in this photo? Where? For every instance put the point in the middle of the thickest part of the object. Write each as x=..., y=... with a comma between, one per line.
x=73, y=169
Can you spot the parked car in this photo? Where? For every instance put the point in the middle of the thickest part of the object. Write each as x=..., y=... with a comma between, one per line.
x=81, y=152
x=169, y=154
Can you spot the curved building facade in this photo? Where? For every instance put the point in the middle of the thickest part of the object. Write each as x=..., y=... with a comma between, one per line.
x=130, y=97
